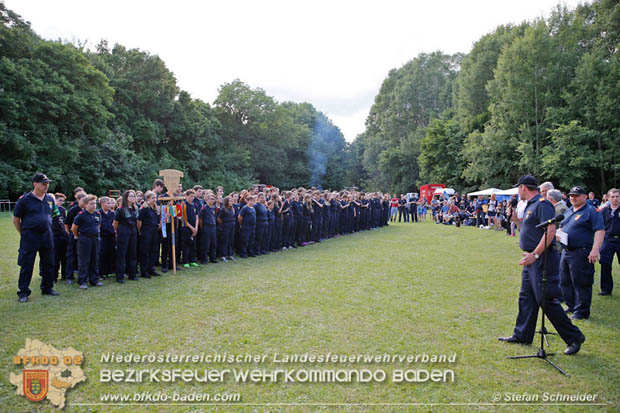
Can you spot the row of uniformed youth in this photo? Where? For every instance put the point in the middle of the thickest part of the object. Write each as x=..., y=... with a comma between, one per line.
x=97, y=243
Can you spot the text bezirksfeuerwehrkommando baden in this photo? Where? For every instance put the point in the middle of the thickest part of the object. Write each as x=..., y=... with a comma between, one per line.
x=313, y=369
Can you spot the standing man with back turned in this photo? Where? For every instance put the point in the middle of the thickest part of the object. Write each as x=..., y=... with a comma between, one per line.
x=32, y=218
x=532, y=242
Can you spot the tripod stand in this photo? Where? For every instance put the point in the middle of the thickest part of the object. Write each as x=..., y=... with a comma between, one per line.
x=541, y=353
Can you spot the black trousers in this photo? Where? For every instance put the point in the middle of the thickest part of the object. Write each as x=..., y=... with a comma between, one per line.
x=611, y=247
x=71, y=262
x=276, y=235
x=316, y=228
x=107, y=255
x=149, y=247
x=188, y=247
x=166, y=247
x=126, y=252
x=208, y=243
x=31, y=243
x=325, y=226
x=577, y=278
x=88, y=259
x=228, y=238
x=60, y=256
x=299, y=229
x=261, y=237
x=530, y=299
x=198, y=244
x=246, y=240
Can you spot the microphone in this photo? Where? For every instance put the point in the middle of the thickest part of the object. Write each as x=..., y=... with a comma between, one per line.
x=553, y=220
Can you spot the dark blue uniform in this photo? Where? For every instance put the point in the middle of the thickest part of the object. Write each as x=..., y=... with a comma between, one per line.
x=306, y=229
x=290, y=218
x=324, y=219
x=247, y=231
x=166, y=242
x=36, y=236
x=262, y=226
x=88, y=246
x=238, y=208
x=72, y=243
x=611, y=246
x=296, y=227
x=270, y=220
x=593, y=202
x=198, y=204
x=208, y=239
x=188, y=240
x=317, y=219
x=276, y=233
x=228, y=218
x=334, y=213
x=126, y=243
x=530, y=296
x=61, y=238
x=577, y=272
x=107, y=244
x=149, y=240
x=413, y=209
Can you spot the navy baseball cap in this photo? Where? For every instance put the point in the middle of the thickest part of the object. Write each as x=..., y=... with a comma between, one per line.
x=577, y=190
x=527, y=180
x=40, y=178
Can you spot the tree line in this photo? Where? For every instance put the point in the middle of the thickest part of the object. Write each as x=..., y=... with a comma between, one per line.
x=540, y=97
x=112, y=117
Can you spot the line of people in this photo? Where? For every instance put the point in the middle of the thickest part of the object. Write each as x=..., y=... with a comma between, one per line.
x=407, y=206
x=134, y=233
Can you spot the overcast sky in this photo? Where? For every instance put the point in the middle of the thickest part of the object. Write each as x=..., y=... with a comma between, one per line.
x=333, y=54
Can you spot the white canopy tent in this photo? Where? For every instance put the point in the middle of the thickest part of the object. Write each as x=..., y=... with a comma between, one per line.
x=441, y=191
x=511, y=191
x=486, y=192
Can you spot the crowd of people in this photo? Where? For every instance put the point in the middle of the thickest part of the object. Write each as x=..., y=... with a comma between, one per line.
x=126, y=238
x=483, y=212
x=408, y=208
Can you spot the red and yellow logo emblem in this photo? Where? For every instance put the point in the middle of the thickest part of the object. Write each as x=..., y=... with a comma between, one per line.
x=36, y=384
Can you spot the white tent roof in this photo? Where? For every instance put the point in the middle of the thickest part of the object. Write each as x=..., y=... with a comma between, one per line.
x=511, y=191
x=440, y=191
x=485, y=192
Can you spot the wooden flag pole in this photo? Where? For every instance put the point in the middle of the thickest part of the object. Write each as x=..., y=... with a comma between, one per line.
x=172, y=178
x=173, y=242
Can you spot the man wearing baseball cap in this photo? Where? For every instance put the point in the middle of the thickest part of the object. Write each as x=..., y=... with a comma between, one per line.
x=32, y=218
x=585, y=230
x=532, y=242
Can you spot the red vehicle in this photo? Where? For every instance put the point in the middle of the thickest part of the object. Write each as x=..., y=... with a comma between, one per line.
x=426, y=191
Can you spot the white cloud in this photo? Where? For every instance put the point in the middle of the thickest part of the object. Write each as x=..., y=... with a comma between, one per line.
x=334, y=54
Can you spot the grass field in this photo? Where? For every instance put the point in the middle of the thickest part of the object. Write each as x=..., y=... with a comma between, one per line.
x=405, y=289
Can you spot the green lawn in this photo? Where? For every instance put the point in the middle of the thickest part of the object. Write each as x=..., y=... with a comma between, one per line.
x=404, y=289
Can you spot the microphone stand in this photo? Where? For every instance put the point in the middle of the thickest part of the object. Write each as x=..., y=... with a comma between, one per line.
x=541, y=353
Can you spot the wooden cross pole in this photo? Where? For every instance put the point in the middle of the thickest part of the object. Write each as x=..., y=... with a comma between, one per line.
x=172, y=178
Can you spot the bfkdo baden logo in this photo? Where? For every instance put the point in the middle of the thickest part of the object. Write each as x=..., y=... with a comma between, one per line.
x=35, y=384
x=47, y=372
